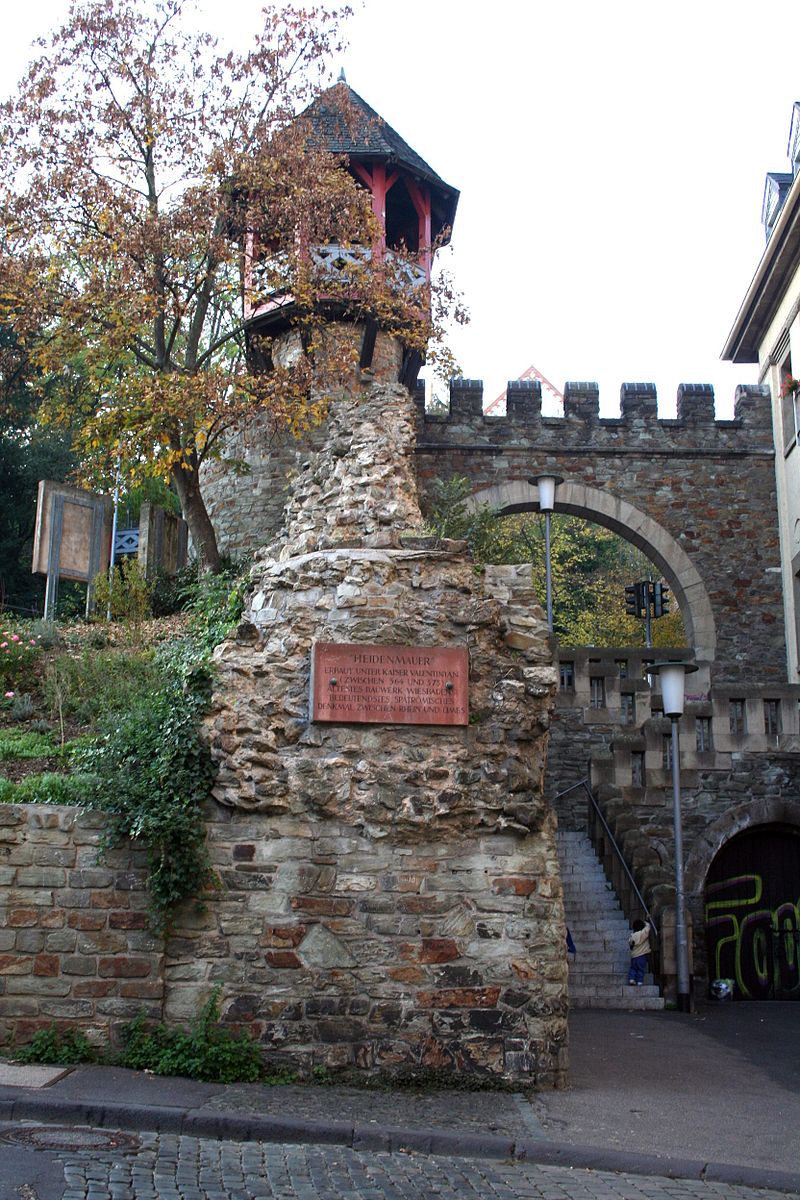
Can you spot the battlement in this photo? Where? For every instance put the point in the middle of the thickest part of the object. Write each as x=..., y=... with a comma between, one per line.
x=695, y=426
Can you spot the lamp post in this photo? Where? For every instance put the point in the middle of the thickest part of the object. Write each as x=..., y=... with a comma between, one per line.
x=673, y=679
x=546, y=485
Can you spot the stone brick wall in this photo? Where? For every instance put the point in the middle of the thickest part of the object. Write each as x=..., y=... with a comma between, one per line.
x=697, y=495
x=74, y=946
x=344, y=945
x=745, y=780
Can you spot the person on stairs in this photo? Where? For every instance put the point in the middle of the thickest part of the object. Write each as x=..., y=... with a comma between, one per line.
x=639, y=943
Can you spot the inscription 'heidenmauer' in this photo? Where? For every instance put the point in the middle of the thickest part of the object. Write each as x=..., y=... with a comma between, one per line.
x=411, y=685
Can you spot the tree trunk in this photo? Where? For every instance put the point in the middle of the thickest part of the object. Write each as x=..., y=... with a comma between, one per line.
x=195, y=513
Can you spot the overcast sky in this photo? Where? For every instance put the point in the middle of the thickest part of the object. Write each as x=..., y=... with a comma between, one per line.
x=610, y=158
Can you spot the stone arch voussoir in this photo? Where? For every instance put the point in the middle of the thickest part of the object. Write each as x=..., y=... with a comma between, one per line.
x=767, y=811
x=636, y=527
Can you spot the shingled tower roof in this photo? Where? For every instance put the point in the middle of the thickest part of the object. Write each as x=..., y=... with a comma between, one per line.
x=345, y=124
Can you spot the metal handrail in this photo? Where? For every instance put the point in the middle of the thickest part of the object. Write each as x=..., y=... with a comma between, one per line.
x=584, y=783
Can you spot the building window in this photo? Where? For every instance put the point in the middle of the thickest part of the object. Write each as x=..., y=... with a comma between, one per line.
x=597, y=691
x=737, y=711
x=637, y=768
x=646, y=665
x=702, y=732
x=627, y=708
x=567, y=676
x=790, y=403
x=622, y=666
x=772, y=717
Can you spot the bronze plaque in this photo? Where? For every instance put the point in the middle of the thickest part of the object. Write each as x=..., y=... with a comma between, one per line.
x=394, y=685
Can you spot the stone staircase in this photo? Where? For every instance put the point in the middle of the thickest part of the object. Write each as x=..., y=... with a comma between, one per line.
x=598, y=973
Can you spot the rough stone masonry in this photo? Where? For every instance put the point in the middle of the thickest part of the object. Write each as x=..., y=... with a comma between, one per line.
x=390, y=895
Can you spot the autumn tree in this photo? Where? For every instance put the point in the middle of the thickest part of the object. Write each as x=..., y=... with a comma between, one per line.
x=136, y=153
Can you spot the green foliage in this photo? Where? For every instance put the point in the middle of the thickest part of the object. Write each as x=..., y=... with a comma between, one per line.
x=127, y=593
x=46, y=633
x=449, y=516
x=28, y=453
x=590, y=566
x=96, y=686
x=171, y=593
x=206, y=1051
x=25, y=743
x=51, y=787
x=216, y=603
x=58, y=1049
x=153, y=772
x=22, y=706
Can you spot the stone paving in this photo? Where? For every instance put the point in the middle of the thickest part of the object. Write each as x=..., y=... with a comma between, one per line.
x=509, y=1114
x=184, y=1168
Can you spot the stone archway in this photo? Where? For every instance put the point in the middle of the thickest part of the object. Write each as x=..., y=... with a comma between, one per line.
x=745, y=816
x=636, y=527
x=742, y=890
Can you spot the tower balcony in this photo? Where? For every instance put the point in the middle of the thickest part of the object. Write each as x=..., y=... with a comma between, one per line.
x=268, y=282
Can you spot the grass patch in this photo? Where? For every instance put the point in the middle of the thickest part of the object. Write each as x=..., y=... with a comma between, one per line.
x=50, y=787
x=24, y=743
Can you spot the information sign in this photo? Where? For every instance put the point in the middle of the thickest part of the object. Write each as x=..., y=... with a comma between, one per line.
x=411, y=685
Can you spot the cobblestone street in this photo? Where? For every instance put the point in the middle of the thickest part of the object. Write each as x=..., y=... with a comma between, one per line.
x=184, y=1168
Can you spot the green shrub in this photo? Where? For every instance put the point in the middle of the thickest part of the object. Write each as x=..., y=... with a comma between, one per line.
x=171, y=593
x=46, y=633
x=22, y=706
x=206, y=1051
x=216, y=603
x=152, y=773
x=60, y=1049
x=96, y=685
x=126, y=592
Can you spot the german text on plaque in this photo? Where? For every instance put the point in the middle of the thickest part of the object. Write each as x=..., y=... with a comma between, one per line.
x=411, y=685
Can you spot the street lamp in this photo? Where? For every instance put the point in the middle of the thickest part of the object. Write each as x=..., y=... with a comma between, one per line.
x=673, y=679
x=547, y=485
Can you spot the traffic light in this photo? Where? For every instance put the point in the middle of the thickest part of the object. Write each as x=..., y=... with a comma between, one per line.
x=661, y=600
x=632, y=599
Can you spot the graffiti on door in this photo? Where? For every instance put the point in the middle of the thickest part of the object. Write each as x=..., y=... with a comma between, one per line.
x=752, y=915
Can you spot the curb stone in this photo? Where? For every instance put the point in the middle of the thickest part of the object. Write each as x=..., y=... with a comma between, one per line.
x=388, y=1139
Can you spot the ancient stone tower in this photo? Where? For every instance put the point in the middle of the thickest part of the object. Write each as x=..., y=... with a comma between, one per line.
x=391, y=897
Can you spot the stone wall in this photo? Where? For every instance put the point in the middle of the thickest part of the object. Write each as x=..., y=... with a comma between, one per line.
x=697, y=495
x=394, y=899
x=74, y=946
x=343, y=945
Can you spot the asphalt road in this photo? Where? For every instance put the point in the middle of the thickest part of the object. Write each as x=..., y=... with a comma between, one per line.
x=722, y=1084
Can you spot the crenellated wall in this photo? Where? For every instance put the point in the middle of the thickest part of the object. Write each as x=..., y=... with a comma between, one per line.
x=695, y=494
x=695, y=426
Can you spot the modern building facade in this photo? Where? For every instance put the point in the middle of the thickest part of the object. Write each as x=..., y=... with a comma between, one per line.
x=767, y=331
